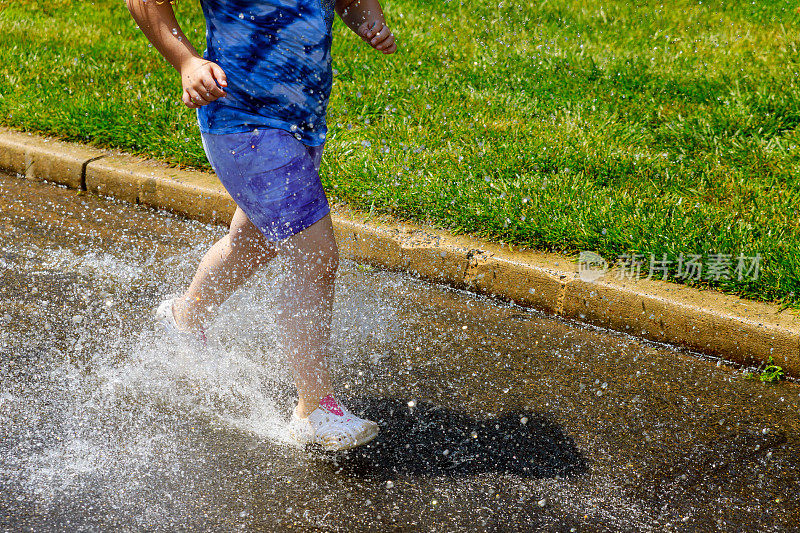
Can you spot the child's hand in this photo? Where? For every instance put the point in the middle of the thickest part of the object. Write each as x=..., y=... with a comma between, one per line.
x=379, y=36
x=202, y=81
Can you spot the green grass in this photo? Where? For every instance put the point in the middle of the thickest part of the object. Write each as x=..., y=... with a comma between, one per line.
x=614, y=126
x=768, y=372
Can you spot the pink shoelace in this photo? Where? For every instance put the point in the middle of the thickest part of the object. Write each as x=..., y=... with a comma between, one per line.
x=330, y=403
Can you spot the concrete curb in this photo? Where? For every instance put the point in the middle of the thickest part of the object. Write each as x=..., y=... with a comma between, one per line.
x=706, y=321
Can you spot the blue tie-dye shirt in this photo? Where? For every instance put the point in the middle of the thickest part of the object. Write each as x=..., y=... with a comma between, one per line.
x=277, y=58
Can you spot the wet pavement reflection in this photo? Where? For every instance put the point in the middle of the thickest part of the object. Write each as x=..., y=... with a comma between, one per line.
x=493, y=417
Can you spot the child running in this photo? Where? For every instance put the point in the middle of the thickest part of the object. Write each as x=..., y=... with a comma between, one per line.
x=261, y=92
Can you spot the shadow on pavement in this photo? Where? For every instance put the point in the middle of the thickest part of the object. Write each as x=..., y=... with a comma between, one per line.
x=427, y=440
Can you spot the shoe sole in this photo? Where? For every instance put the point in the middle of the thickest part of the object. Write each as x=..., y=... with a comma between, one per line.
x=162, y=315
x=368, y=437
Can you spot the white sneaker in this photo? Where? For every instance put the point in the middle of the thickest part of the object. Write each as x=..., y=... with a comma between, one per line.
x=332, y=426
x=165, y=315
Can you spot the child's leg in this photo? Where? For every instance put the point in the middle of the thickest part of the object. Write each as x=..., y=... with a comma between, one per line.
x=275, y=178
x=226, y=265
x=307, y=303
x=306, y=295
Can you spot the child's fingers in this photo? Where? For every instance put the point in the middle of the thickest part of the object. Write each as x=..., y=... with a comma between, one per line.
x=188, y=100
x=391, y=48
x=196, y=97
x=382, y=34
x=219, y=75
x=210, y=91
x=385, y=43
x=368, y=30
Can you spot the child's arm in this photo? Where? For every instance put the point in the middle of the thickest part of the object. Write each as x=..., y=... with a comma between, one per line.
x=365, y=18
x=201, y=79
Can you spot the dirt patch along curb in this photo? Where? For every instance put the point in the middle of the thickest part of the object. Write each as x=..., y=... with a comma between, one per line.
x=702, y=320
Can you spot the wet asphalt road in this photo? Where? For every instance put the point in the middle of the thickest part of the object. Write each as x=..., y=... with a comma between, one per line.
x=493, y=417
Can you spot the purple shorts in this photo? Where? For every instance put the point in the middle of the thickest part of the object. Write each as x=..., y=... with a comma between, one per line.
x=272, y=177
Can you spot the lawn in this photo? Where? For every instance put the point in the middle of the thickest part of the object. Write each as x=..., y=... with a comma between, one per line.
x=615, y=126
